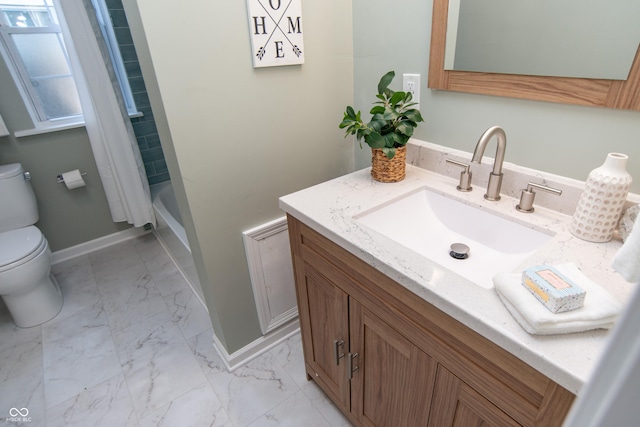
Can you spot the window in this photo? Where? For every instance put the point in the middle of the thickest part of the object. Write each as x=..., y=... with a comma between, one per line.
x=35, y=51
x=109, y=35
x=32, y=45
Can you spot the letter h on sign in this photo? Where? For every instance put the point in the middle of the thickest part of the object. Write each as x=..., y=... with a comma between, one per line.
x=275, y=27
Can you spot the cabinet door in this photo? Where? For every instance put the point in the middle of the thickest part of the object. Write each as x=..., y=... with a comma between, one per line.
x=393, y=383
x=324, y=323
x=456, y=404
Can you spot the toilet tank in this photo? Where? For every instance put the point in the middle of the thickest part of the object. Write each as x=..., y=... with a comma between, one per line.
x=18, y=206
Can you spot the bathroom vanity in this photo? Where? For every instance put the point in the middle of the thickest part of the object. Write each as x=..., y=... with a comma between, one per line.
x=395, y=339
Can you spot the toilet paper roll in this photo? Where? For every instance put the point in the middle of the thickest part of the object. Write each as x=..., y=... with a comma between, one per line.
x=73, y=179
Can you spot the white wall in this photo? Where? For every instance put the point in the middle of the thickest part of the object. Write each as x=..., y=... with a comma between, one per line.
x=562, y=139
x=241, y=136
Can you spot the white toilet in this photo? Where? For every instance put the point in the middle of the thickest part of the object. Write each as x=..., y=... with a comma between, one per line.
x=27, y=286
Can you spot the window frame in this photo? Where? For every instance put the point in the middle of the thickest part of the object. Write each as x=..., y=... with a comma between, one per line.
x=19, y=73
x=22, y=80
x=109, y=34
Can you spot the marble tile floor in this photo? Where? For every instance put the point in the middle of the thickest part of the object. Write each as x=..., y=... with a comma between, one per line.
x=132, y=346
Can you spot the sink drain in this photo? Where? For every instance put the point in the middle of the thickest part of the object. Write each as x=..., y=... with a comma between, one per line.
x=459, y=251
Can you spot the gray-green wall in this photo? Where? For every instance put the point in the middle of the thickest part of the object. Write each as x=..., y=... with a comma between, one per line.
x=562, y=139
x=241, y=137
x=67, y=218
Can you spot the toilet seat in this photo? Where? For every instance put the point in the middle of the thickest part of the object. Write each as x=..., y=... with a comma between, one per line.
x=20, y=246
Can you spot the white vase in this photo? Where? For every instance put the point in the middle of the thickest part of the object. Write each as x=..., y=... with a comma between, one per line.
x=601, y=203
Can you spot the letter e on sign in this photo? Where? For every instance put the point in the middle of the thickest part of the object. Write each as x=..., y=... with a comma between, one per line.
x=276, y=29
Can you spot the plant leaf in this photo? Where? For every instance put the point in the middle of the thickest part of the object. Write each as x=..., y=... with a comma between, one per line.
x=344, y=124
x=375, y=140
x=390, y=114
x=389, y=140
x=390, y=152
x=402, y=140
x=378, y=109
x=397, y=97
x=377, y=122
x=405, y=128
x=362, y=133
x=414, y=115
x=350, y=113
x=408, y=97
x=385, y=81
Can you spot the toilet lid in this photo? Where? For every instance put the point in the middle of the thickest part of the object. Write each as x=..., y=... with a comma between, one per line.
x=18, y=244
x=9, y=171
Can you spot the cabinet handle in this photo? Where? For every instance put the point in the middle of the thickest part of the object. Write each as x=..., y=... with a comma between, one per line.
x=351, y=367
x=336, y=351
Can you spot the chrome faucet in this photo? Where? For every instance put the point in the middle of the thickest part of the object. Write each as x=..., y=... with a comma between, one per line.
x=495, y=177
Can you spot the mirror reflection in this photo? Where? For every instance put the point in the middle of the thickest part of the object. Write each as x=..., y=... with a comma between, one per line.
x=564, y=38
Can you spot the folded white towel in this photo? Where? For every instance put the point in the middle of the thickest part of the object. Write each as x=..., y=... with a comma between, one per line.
x=627, y=260
x=600, y=309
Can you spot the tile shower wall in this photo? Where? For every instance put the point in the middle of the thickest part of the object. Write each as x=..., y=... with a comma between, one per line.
x=145, y=126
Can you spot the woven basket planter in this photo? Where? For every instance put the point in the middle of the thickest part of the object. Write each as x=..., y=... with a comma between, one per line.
x=384, y=169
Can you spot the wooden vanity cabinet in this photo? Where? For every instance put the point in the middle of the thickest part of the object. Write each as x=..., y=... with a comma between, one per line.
x=326, y=339
x=392, y=385
x=457, y=404
x=386, y=357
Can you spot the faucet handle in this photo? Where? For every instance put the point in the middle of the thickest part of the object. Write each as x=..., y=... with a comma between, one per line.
x=465, y=175
x=527, y=196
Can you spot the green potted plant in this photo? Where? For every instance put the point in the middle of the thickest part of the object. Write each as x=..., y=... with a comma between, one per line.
x=387, y=133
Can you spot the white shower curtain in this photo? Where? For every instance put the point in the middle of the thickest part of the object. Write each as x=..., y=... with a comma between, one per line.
x=110, y=131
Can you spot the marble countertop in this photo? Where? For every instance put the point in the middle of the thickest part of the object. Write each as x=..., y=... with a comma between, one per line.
x=569, y=359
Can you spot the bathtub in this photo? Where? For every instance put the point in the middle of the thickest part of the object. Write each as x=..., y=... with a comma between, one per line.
x=171, y=234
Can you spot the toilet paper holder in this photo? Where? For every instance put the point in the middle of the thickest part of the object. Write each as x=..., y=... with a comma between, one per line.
x=60, y=179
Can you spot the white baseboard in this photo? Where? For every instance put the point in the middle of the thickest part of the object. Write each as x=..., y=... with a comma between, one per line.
x=254, y=349
x=95, y=244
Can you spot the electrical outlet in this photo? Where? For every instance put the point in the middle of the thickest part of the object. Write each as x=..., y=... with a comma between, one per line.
x=411, y=83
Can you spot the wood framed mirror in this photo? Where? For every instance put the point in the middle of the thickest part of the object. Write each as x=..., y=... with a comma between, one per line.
x=620, y=94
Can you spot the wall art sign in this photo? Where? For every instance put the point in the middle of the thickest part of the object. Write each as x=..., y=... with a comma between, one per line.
x=275, y=27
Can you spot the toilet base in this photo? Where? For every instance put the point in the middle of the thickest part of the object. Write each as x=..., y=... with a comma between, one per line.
x=40, y=305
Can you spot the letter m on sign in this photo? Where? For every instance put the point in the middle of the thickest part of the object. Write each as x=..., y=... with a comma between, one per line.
x=276, y=32
x=294, y=26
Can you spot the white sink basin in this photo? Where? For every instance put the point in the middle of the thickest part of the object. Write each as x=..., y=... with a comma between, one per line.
x=428, y=223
